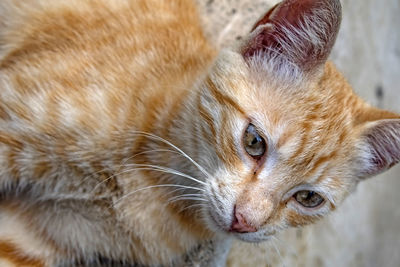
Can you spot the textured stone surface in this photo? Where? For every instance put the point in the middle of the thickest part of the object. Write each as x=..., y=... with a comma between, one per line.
x=365, y=231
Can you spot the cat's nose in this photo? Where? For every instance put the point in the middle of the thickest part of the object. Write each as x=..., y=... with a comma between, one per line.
x=240, y=223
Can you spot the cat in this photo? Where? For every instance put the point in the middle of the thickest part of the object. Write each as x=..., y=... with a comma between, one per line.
x=127, y=138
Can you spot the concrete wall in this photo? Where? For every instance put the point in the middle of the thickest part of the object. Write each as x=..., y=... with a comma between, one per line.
x=365, y=231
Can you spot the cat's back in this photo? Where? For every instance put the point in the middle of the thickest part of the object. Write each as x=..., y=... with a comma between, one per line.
x=81, y=59
x=29, y=26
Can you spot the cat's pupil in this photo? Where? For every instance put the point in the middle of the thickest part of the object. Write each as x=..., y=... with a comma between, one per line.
x=254, y=144
x=308, y=199
x=310, y=195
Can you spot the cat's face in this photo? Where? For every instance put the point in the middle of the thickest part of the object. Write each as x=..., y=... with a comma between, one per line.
x=290, y=141
x=285, y=154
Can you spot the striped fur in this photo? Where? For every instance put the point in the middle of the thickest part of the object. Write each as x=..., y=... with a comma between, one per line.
x=121, y=134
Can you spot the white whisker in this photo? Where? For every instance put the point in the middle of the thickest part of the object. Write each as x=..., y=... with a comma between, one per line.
x=192, y=206
x=277, y=250
x=184, y=195
x=160, y=170
x=167, y=170
x=188, y=198
x=153, y=136
x=122, y=165
x=154, y=186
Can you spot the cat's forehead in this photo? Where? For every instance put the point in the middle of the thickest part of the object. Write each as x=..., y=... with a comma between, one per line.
x=280, y=103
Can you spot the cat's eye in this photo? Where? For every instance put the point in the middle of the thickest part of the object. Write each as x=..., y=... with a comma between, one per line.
x=308, y=199
x=253, y=143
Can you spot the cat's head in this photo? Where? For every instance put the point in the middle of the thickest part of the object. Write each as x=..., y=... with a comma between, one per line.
x=291, y=138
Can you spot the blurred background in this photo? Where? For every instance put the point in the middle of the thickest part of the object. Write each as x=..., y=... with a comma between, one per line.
x=365, y=231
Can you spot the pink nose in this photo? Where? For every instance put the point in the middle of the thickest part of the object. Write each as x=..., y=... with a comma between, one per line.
x=240, y=224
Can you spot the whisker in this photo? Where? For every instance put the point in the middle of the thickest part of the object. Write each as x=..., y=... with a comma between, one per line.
x=184, y=208
x=93, y=174
x=167, y=170
x=153, y=136
x=161, y=170
x=184, y=195
x=144, y=152
x=192, y=206
x=188, y=198
x=277, y=250
x=154, y=186
x=123, y=164
x=148, y=151
x=174, y=191
x=154, y=167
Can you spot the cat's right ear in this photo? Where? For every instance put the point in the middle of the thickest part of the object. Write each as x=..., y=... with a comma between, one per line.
x=379, y=147
x=295, y=32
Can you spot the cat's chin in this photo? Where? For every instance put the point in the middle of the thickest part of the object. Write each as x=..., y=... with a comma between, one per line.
x=255, y=237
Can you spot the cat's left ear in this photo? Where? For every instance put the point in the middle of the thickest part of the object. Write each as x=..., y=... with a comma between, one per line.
x=297, y=33
x=378, y=148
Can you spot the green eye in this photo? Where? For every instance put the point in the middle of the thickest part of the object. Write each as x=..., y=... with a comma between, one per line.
x=308, y=199
x=254, y=144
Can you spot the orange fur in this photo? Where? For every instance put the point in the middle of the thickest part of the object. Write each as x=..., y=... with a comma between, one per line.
x=121, y=134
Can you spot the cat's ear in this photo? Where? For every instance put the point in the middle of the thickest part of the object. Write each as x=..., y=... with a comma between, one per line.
x=302, y=32
x=378, y=148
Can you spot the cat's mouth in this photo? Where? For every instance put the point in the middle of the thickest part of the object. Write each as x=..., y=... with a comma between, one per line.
x=232, y=226
x=224, y=218
x=216, y=221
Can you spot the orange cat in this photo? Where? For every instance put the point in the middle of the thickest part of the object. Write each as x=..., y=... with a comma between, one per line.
x=126, y=138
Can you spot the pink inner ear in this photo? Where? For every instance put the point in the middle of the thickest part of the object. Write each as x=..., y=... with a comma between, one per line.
x=384, y=143
x=302, y=31
x=286, y=13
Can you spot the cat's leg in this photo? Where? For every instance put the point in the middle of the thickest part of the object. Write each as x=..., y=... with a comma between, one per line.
x=212, y=253
x=221, y=250
x=20, y=245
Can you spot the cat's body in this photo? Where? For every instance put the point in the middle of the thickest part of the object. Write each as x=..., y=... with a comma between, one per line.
x=121, y=132
x=74, y=128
